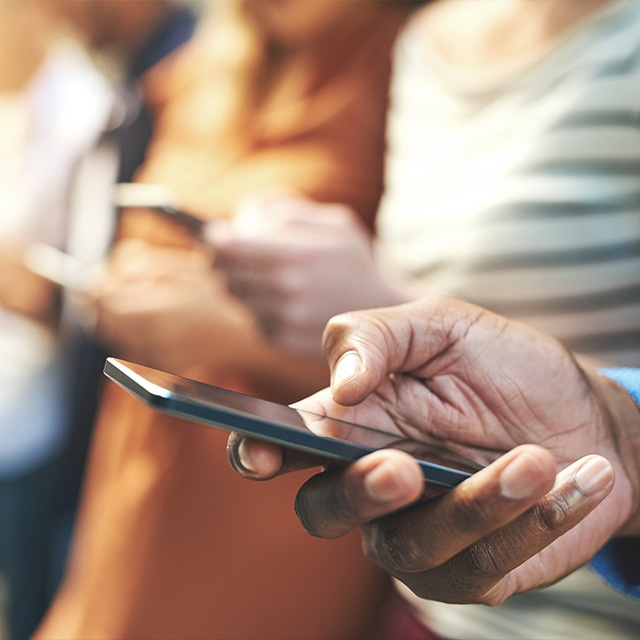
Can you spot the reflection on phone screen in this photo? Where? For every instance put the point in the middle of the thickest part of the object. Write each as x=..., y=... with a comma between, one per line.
x=421, y=449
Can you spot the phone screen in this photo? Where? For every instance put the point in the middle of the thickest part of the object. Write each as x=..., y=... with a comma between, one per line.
x=307, y=431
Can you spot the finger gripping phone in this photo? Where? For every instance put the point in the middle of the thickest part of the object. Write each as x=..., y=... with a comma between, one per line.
x=323, y=436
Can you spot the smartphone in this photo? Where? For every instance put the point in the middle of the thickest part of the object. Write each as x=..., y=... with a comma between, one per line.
x=326, y=437
x=158, y=198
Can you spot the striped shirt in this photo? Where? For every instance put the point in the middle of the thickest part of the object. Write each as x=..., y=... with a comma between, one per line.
x=523, y=195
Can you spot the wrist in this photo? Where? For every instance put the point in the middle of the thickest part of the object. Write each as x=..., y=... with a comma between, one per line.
x=624, y=419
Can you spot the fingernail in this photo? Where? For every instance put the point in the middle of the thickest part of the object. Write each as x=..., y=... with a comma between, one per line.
x=383, y=483
x=520, y=478
x=347, y=367
x=593, y=476
x=241, y=458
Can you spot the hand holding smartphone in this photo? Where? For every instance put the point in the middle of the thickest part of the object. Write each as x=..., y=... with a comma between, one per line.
x=72, y=274
x=320, y=435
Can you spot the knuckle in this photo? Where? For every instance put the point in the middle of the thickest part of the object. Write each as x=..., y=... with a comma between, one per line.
x=386, y=544
x=341, y=326
x=553, y=513
x=473, y=576
x=473, y=514
x=338, y=328
x=483, y=560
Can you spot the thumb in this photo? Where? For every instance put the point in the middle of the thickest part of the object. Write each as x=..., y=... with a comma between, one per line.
x=362, y=347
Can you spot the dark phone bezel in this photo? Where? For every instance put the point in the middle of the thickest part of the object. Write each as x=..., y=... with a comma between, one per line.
x=135, y=379
x=159, y=198
x=191, y=222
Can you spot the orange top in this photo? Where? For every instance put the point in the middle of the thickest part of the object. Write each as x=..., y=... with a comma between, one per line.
x=170, y=542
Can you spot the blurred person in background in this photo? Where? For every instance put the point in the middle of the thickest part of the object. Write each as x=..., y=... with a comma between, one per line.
x=170, y=543
x=128, y=39
x=30, y=425
x=511, y=181
x=78, y=133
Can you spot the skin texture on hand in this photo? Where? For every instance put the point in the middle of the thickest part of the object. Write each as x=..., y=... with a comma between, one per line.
x=554, y=439
x=296, y=263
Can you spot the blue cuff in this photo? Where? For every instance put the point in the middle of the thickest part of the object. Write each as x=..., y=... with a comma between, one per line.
x=618, y=562
x=627, y=378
